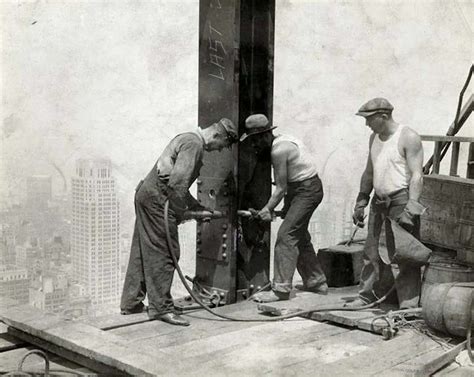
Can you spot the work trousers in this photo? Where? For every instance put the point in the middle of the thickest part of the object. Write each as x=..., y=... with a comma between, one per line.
x=293, y=248
x=150, y=268
x=376, y=276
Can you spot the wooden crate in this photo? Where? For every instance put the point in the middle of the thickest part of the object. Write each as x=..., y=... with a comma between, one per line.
x=449, y=221
x=342, y=264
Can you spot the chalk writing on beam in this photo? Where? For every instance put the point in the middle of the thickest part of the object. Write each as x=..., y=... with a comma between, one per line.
x=220, y=76
x=217, y=52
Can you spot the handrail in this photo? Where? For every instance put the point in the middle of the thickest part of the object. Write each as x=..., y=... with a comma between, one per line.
x=458, y=139
x=439, y=142
x=461, y=117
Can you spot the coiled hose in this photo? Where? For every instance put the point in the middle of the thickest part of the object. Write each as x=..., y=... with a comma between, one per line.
x=272, y=319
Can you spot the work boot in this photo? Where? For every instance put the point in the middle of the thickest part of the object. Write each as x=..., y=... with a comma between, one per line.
x=321, y=288
x=270, y=296
x=356, y=304
x=136, y=310
x=173, y=319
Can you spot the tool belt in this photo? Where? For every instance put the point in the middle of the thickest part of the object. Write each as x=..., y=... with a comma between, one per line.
x=396, y=198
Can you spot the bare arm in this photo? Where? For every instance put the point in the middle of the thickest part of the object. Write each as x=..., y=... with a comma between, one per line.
x=413, y=151
x=366, y=186
x=279, y=162
x=367, y=179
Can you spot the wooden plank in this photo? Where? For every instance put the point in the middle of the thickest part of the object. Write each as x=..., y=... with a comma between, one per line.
x=9, y=362
x=462, y=139
x=372, y=362
x=427, y=363
x=117, y=320
x=308, y=300
x=461, y=372
x=273, y=355
x=86, y=341
x=113, y=321
x=363, y=319
x=165, y=335
x=453, y=170
x=436, y=157
x=9, y=342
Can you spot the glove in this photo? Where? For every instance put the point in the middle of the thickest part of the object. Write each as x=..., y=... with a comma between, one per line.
x=254, y=213
x=265, y=214
x=405, y=220
x=361, y=202
x=412, y=209
x=415, y=208
x=358, y=217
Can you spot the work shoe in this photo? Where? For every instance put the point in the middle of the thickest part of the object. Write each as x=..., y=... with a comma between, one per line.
x=138, y=309
x=321, y=288
x=357, y=303
x=270, y=296
x=173, y=319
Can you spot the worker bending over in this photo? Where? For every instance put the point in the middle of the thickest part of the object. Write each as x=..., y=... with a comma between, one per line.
x=297, y=177
x=150, y=268
x=394, y=171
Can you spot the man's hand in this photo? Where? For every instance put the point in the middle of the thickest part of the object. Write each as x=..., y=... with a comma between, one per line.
x=358, y=217
x=265, y=214
x=405, y=220
x=361, y=202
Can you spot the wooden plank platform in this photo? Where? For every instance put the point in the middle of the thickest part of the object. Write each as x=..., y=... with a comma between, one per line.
x=365, y=319
x=213, y=346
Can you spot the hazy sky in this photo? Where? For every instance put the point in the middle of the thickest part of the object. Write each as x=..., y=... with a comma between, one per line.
x=118, y=79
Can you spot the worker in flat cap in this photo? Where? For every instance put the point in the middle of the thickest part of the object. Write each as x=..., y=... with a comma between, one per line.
x=296, y=179
x=150, y=268
x=394, y=171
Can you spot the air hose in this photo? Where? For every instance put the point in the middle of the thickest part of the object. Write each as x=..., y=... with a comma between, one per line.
x=272, y=319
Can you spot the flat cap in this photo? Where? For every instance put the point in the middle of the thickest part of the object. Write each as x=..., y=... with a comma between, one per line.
x=256, y=124
x=374, y=106
x=230, y=128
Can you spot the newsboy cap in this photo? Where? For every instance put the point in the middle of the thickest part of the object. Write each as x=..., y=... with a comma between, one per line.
x=230, y=128
x=256, y=124
x=374, y=106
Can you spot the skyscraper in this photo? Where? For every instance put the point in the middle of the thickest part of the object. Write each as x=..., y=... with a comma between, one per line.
x=95, y=232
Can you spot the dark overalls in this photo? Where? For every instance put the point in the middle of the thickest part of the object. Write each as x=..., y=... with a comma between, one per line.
x=376, y=276
x=150, y=269
x=293, y=248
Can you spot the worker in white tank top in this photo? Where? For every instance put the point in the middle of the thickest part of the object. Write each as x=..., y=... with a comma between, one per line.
x=394, y=171
x=391, y=172
x=300, y=165
x=296, y=179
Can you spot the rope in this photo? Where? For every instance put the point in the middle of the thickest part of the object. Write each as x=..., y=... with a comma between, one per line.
x=273, y=319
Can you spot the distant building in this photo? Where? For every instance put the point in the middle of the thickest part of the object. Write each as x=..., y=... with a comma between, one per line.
x=14, y=283
x=7, y=245
x=38, y=191
x=30, y=258
x=49, y=292
x=95, y=231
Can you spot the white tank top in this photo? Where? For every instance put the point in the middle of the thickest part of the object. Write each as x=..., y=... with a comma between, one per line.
x=390, y=169
x=300, y=167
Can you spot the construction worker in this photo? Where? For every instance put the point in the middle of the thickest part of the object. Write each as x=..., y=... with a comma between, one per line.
x=394, y=171
x=150, y=269
x=296, y=176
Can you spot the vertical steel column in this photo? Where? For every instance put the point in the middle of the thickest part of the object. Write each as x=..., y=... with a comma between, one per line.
x=235, y=80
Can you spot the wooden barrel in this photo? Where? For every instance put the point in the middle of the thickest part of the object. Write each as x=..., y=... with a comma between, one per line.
x=444, y=272
x=448, y=307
